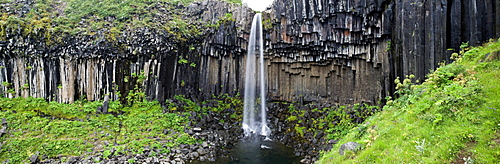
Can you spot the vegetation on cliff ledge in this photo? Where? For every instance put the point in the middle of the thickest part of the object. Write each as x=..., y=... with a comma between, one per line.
x=52, y=18
x=452, y=117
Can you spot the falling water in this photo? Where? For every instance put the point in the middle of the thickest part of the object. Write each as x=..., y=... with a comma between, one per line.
x=252, y=107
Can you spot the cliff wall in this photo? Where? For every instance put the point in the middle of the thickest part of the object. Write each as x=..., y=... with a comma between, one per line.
x=322, y=51
x=425, y=33
x=334, y=51
x=88, y=67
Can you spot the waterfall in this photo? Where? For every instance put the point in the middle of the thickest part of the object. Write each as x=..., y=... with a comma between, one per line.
x=252, y=106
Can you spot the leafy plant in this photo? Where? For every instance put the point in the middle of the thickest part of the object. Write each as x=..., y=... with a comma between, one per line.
x=6, y=84
x=182, y=61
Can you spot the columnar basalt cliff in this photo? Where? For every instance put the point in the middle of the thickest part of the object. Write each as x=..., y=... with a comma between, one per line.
x=425, y=33
x=90, y=66
x=324, y=51
x=351, y=51
x=334, y=51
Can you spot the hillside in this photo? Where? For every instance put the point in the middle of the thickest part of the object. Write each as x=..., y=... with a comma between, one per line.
x=452, y=117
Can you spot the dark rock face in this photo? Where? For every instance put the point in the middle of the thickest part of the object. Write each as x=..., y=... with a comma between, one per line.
x=336, y=51
x=90, y=67
x=425, y=33
x=332, y=51
x=350, y=51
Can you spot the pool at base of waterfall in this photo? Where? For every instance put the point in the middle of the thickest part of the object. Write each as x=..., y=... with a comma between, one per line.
x=256, y=151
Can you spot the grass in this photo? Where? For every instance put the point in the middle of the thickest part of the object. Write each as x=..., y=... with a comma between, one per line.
x=52, y=129
x=452, y=117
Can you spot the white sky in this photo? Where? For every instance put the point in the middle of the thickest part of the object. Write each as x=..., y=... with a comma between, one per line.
x=258, y=5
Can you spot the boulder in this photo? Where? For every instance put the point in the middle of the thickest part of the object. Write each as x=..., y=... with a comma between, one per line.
x=204, y=145
x=201, y=151
x=197, y=129
x=195, y=155
x=349, y=146
x=34, y=158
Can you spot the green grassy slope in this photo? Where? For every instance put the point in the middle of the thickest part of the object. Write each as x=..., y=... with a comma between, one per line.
x=452, y=117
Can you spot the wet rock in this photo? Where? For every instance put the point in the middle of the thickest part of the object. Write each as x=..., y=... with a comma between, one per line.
x=319, y=134
x=184, y=151
x=195, y=155
x=203, y=158
x=3, y=43
x=201, y=151
x=73, y=160
x=197, y=129
x=226, y=126
x=3, y=131
x=193, y=147
x=123, y=158
x=148, y=160
x=204, y=145
x=34, y=158
x=349, y=146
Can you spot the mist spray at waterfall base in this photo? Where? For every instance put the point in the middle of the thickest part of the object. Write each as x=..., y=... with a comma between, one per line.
x=254, y=111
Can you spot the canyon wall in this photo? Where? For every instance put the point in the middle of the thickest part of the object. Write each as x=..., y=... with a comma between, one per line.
x=321, y=51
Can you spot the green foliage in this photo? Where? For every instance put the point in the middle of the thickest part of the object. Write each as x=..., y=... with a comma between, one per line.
x=450, y=117
x=182, y=60
x=227, y=18
x=267, y=24
x=299, y=130
x=291, y=118
x=55, y=129
x=336, y=122
x=389, y=46
x=346, y=119
x=291, y=108
x=6, y=84
x=231, y=108
x=192, y=64
x=184, y=104
x=137, y=93
x=234, y=1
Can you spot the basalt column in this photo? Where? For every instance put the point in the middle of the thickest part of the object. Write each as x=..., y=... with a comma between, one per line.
x=328, y=51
